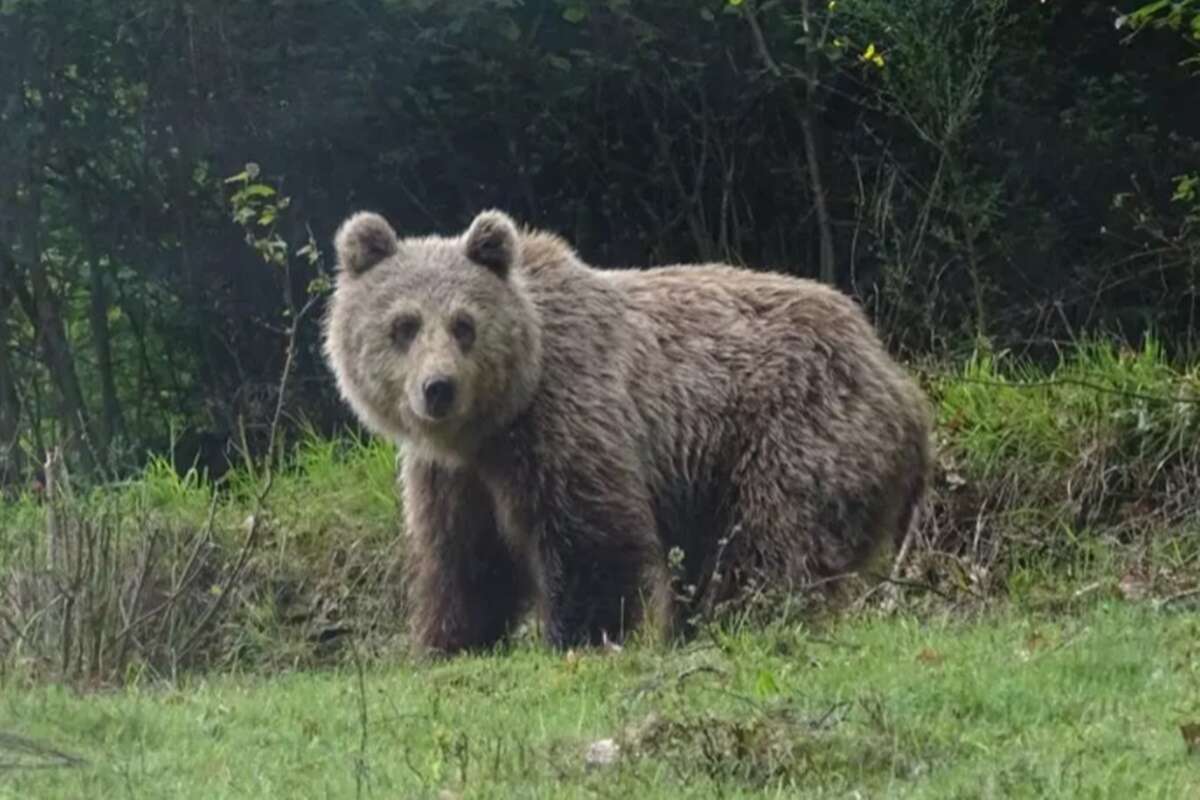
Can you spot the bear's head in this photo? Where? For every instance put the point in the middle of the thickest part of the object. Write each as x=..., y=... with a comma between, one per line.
x=433, y=340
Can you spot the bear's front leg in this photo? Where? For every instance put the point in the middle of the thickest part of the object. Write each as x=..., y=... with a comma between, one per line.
x=593, y=596
x=465, y=590
x=599, y=559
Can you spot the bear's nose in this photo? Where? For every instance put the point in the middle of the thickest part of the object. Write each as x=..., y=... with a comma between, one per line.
x=439, y=396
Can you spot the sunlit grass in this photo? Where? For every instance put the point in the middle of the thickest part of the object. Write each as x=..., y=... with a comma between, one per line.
x=1010, y=705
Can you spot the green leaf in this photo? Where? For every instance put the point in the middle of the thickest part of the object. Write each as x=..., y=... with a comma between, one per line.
x=1185, y=188
x=259, y=190
x=309, y=252
x=319, y=285
x=765, y=684
x=575, y=14
x=707, y=15
x=1148, y=10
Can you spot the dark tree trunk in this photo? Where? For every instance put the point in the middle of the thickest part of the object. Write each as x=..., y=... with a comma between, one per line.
x=110, y=423
x=828, y=266
x=11, y=457
x=27, y=274
x=56, y=349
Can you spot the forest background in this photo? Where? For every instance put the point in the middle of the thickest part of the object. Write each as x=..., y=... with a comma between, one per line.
x=985, y=176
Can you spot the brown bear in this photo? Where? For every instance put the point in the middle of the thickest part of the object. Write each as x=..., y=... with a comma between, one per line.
x=564, y=428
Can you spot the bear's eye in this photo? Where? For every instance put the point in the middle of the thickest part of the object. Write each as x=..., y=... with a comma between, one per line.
x=404, y=329
x=463, y=329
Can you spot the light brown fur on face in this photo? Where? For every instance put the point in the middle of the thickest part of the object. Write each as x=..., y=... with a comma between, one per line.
x=422, y=312
x=601, y=418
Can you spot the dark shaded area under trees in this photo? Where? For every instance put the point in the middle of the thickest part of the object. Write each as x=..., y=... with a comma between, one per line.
x=975, y=171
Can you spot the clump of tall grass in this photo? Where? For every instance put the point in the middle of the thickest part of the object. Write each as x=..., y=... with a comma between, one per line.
x=1105, y=444
x=331, y=490
x=165, y=571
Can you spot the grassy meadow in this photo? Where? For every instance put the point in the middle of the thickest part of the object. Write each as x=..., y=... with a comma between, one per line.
x=1012, y=704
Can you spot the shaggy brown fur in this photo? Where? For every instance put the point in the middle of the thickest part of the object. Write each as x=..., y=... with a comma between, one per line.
x=564, y=427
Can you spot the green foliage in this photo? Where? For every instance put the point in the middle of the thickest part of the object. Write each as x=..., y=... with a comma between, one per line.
x=1175, y=15
x=1179, y=236
x=958, y=178
x=933, y=222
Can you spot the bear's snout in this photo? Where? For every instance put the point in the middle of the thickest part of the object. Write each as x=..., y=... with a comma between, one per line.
x=439, y=396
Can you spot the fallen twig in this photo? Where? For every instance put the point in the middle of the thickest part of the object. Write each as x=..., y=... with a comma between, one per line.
x=18, y=745
x=1175, y=598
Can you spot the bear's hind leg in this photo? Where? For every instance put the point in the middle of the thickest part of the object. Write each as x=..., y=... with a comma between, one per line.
x=465, y=590
x=797, y=523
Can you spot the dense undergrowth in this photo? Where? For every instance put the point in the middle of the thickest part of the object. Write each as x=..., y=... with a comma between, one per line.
x=1081, y=478
x=1037, y=468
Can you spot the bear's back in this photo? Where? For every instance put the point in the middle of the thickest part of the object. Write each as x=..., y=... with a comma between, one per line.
x=698, y=360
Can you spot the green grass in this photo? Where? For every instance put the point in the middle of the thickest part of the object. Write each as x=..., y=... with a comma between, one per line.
x=328, y=489
x=1036, y=463
x=324, y=550
x=1009, y=705
x=998, y=412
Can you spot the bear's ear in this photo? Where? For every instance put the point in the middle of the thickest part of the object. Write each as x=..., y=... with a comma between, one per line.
x=364, y=240
x=492, y=241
